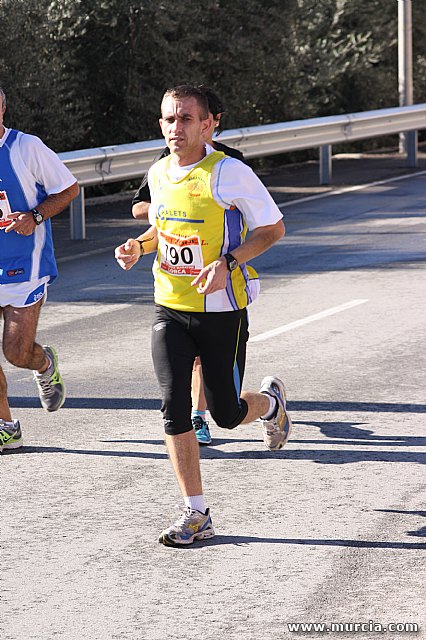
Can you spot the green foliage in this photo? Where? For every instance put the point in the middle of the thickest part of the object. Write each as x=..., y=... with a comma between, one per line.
x=85, y=73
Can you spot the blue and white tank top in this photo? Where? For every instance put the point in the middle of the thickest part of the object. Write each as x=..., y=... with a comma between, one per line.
x=24, y=258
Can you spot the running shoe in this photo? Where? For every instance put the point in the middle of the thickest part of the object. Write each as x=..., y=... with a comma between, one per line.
x=190, y=526
x=51, y=388
x=202, y=431
x=10, y=436
x=276, y=430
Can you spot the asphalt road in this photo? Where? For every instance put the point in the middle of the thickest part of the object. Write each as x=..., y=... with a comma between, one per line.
x=329, y=530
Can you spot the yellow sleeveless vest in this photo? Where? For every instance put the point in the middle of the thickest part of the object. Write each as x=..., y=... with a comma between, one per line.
x=193, y=231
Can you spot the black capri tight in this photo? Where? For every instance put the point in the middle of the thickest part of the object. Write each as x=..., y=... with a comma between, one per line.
x=220, y=340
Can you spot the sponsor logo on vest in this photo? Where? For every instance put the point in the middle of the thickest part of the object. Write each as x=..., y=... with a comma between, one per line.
x=15, y=272
x=169, y=214
x=197, y=178
x=196, y=187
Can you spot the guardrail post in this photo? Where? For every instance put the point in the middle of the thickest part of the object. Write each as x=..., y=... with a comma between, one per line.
x=78, y=217
x=411, y=148
x=325, y=167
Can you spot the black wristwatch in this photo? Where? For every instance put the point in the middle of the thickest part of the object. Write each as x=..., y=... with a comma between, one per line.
x=38, y=217
x=231, y=262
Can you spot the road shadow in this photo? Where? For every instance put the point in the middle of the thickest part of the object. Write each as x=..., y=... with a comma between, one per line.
x=351, y=433
x=307, y=252
x=368, y=407
x=142, y=404
x=347, y=434
x=33, y=402
x=421, y=533
x=318, y=456
x=335, y=433
x=86, y=452
x=363, y=544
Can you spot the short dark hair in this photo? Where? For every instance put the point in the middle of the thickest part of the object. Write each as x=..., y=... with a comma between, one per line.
x=216, y=106
x=189, y=91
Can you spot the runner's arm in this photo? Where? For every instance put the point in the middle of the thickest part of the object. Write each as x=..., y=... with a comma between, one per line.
x=54, y=203
x=213, y=277
x=142, y=198
x=141, y=201
x=259, y=241
x=140, y=210
x=128, y=253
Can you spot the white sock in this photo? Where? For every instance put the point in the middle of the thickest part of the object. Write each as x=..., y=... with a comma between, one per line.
x=195, y=502
x=273, y=405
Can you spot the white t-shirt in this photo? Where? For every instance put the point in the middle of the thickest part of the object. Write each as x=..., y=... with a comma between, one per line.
x=233, y=184
x=44, y=167
x=29, y=172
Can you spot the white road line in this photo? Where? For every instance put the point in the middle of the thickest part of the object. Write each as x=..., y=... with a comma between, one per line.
x=339, y=192
x=299, y=323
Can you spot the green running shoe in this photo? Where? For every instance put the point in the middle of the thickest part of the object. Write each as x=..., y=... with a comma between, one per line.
x=10, y=436
x=51, y=388
x=190, y=526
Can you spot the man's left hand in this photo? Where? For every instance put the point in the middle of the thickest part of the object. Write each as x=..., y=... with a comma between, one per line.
x=22, y=223
x=212, y=278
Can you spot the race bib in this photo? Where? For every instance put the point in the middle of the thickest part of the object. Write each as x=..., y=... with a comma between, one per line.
x=180, y=256
x=5, y=212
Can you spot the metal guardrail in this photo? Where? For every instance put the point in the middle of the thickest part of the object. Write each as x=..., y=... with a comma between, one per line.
x=112, y=164
x=124, y=162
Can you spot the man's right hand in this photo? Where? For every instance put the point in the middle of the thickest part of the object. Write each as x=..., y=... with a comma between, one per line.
x=128, y=254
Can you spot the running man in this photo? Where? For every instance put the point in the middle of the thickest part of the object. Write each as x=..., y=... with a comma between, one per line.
x=34, y=187
x=140, y=206
x=203, y=204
